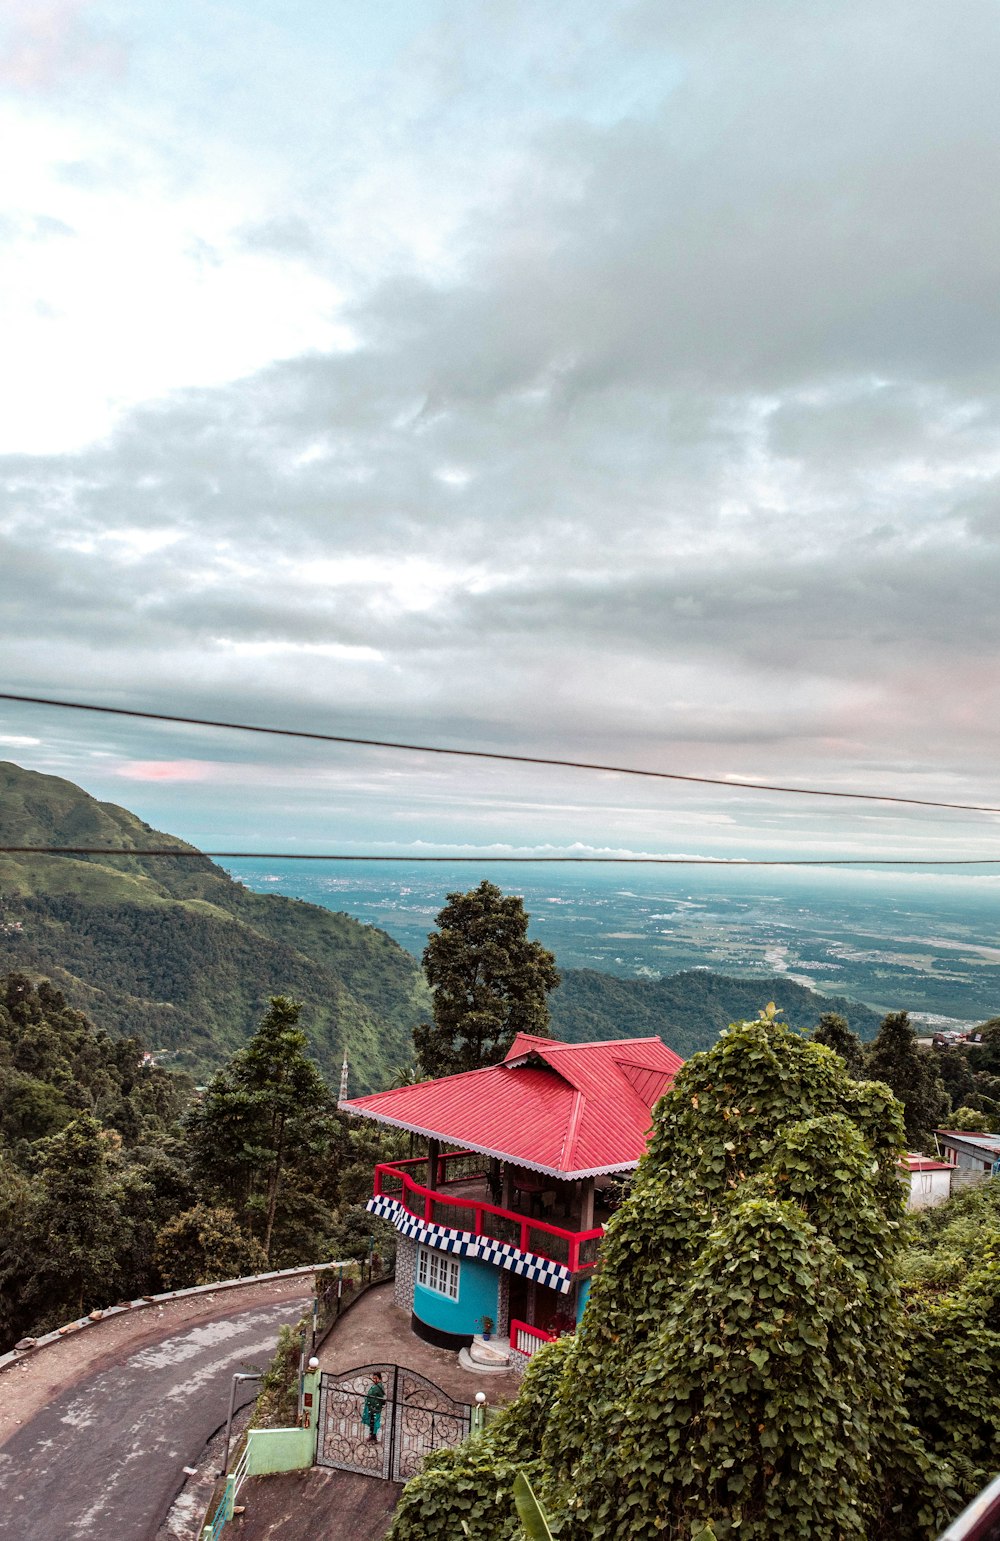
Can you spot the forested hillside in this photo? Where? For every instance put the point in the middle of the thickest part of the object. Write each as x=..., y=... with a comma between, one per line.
x=117, y=1179
x=177, y=952
x=686, y=1010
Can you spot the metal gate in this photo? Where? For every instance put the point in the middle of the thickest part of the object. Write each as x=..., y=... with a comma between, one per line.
x=416, y=1418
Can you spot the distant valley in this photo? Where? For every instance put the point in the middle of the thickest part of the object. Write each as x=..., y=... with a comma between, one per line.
x=891, y=941
x=186, y=955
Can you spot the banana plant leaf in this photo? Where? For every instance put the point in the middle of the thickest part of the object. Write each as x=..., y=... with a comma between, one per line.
x=529, y=1511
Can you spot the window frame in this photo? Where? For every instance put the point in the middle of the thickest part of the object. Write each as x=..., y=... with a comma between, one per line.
x=439, y=1272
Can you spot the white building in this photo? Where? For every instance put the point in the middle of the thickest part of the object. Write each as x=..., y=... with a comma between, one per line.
x=929, y=1180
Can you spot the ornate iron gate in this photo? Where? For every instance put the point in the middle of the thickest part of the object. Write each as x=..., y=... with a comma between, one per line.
x=416, y=1418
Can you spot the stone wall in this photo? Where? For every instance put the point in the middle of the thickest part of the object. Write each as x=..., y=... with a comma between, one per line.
x=406, y=1272
x=503, y=1305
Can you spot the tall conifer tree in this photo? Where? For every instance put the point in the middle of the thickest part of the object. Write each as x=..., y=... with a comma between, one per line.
x=259, y=1113
x=914, y=1078
x=489, y=981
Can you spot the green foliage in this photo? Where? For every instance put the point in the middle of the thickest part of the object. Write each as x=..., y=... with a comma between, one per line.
x=912, y=1076
x=77, y=1219
x=833, y=1031
x=740, y=1368
x=89, y=1169
x=688, y=1010
x=278, y=1401
x=742, y=1281
x=357, y=1234
x=263, y=1111
x=529, y=1511
x=489, y=982
x=972, y=1120
x=203, y=1245
x=100, y=1196
x=470, y=1491
x=952, y=1297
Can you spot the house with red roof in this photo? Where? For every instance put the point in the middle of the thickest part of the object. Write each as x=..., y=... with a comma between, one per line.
x=928, y=1180
x=502, y=1218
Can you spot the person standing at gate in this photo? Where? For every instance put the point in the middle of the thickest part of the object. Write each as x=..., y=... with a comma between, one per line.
x=374, y=1403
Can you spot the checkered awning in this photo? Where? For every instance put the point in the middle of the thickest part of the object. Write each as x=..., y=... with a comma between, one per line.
x=528, y=1264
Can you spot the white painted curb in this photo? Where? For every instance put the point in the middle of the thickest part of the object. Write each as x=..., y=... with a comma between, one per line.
x=144, y=1301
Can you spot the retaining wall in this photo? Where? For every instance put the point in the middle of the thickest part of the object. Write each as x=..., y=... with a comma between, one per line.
x=274, y=1450
x=32, y=1345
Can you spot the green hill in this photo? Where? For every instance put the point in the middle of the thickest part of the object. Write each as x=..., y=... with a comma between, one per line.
x=180, y=954
x=687, y=1010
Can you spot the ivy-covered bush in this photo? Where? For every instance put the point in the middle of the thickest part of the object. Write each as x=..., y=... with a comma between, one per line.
x=470, y=1491
x=742, y=1369
x=951, y=1295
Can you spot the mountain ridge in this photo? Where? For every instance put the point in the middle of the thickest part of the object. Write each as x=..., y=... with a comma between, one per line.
x=186, y=957
x=180, y=952
x=687, y=1009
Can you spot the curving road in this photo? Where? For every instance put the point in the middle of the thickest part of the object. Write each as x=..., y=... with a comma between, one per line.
x=103, y=1444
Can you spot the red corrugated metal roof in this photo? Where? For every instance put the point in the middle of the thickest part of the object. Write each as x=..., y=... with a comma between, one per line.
x=925, y=1164
x=568, y=1109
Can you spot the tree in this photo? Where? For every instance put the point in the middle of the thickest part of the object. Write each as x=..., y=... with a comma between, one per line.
x=723, y=1382
x=833, y=1031
x=265, y=1108
x=78, y=1224
x=913, y=1077
x=204, y=1245
x=973, y=1120
x=489, y=982
x=951, y=1295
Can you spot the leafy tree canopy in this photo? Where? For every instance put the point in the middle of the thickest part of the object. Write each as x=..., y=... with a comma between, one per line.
x=912, y=1076
x=203, y=1245
x=833, y=1031
x=489, y=982
x=739, y=1372
x=951, y=1296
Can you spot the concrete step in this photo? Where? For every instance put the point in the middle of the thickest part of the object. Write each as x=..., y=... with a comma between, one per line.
x=492, y=1358
x=490, y=1351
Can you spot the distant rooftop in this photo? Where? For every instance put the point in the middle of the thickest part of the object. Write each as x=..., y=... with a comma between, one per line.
x=988, y=1143
x=916, y=1163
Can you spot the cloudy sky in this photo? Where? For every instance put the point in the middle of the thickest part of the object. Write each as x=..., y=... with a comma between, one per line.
x=617, y=380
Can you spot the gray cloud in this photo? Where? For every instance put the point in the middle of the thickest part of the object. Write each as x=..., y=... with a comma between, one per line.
x=695, y=450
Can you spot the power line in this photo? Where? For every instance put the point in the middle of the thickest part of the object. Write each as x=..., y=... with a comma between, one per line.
x=495, y=754
x=579, y=861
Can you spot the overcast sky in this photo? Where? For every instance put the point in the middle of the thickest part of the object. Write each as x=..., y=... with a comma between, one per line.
x=607, y=379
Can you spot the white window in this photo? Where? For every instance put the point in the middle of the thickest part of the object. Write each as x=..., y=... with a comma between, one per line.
x=439, y=1272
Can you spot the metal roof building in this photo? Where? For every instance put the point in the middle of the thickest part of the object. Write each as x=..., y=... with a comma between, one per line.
x=569, y=1110
x=510, y=1188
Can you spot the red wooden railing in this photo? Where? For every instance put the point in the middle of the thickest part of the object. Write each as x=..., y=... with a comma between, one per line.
x=528, y=1340
x=574, y=1249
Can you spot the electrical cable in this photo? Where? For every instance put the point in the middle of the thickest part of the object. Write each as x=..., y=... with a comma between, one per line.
x=494, y=754
x=580, y=861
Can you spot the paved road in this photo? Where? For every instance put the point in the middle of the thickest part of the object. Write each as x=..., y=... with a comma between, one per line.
x=104, y=1457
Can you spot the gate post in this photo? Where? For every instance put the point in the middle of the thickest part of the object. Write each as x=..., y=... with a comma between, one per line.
x=310, y=1404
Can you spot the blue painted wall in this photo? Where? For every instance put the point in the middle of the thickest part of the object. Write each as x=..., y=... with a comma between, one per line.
x=478, y=1286
x=583, y=1295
